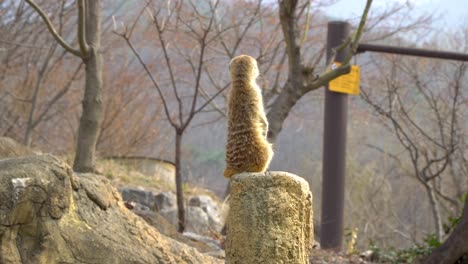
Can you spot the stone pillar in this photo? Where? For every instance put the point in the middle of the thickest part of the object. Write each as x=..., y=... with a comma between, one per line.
x=270, y=219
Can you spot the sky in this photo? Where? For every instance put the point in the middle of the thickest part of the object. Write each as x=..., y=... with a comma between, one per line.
x=452, y=13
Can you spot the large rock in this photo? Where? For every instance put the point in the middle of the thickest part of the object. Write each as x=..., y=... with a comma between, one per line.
x=158, y=202
x=50, y=215
x=164, y=201
x=210, y=208
x=196, y=220
x=167, y=229
x=212, y=243
x=138, y=195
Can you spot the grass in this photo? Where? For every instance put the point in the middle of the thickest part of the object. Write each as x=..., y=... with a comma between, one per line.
x=122, y=175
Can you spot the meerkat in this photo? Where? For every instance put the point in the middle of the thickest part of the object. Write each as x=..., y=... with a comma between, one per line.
x=247, y=149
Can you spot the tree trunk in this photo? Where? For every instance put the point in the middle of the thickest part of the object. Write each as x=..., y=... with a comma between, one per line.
x=29, y=127
x=292, y=92
x=455, y=246
x=178, y=176
x=294, y=88
x=91, y=117
x=37, y=86
x=435, y=212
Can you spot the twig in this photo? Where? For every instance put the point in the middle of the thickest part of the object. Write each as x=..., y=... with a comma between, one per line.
x=52, y=30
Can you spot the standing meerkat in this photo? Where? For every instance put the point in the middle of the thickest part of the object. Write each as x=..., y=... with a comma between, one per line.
x=247, y=149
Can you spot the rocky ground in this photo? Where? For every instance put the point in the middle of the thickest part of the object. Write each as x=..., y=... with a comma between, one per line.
x=87, y=198
x=319, y=256
x=153, y=202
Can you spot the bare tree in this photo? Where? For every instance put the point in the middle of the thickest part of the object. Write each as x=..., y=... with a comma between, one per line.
x=89, y=40
x=16, y=57
x=302, y=78
x=34, y=75
x=422, y=105
x=177, y=25
x=304, y=73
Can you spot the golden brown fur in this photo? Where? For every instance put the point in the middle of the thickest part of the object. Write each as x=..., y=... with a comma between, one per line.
x=247, y=148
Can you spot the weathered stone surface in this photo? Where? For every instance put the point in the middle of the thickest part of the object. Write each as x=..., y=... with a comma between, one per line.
x=167, y=229
x=139, y=196
x=50, y=215
x=196, y=220
x=270, y=219
x=207, y=204
x=213, y=244
x=164, y=201
x=221, y=254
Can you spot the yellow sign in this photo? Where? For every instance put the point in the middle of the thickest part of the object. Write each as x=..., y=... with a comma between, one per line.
x=347, y=83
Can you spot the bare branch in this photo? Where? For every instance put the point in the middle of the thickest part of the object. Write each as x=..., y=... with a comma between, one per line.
x=200, y=67
x=52, y=30
x=212, y=98
x=327, y=77
x=307, y=25
x=153, y=80
x=359, y=30
x=81, y=28
x=167, y=59
x=23, y=45
x=288, y=23
x=57, y=96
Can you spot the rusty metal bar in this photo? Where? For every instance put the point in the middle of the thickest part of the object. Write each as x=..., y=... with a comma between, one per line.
x=413, y=52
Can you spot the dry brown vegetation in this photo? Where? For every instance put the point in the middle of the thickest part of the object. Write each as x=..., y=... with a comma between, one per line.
x=407, y=152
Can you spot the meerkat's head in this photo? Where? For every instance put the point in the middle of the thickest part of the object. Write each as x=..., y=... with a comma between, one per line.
x=243, y=67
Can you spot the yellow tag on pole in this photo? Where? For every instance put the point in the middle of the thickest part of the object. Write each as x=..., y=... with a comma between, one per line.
x=347, y=83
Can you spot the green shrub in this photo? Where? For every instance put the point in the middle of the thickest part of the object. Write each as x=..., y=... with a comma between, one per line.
x=418, y=251
x=407, y=255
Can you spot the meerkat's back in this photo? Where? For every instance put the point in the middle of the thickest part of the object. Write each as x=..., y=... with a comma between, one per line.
x=247, y=149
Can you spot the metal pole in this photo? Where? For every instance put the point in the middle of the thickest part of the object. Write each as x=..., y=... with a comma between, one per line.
x=334, y=149
x=413, y=52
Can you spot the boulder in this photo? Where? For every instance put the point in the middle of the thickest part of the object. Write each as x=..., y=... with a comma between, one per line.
x=167, y=229
x=207, y=204
x=139, y=196
x=158, y=202
x=136, y=207
x=50, y=215
x=221, y=254
x=212, y=243
x=164, y=201
x=196, y=220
